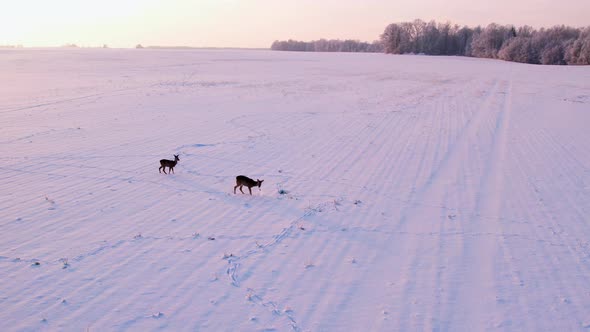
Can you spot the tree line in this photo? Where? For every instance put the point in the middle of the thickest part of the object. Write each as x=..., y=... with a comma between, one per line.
x=324, y=45
x=558, y=45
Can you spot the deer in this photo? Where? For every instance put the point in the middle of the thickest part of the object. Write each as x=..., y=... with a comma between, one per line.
x=242, y=180
x=168, y=163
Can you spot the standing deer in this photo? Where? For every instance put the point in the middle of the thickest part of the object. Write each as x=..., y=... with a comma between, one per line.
x=168, y=163
x=242, y=180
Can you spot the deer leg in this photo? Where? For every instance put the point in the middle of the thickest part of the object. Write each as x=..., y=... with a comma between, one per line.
x=242, y=190
x=249, y=188
x=160, y=169
x=171, y=170
x=236, y=188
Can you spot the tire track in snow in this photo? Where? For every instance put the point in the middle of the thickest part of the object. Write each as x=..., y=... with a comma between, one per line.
x=384, y=166
x=478, y=287
x=378, y=129
x=431, y=191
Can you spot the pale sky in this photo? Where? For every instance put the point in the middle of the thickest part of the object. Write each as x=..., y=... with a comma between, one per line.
x=254, y=23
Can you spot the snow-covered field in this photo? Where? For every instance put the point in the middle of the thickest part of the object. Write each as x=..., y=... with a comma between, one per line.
x=400, y=192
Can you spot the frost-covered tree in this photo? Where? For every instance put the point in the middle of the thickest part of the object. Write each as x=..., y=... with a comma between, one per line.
x=425, y=38
x=394, y=39
x=431, y=39
x=551, y=43
x=578, y=52
x=519, y=49
x=553, y=54
x=464, y=37
x=488, y=43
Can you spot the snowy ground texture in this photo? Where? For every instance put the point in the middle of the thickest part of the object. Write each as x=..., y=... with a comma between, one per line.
x=401, y=192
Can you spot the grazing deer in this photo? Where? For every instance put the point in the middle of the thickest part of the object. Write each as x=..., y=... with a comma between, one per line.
x=242, y=180
x=168, y=163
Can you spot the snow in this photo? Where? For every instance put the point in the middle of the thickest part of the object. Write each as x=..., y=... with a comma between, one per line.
x=400, y=192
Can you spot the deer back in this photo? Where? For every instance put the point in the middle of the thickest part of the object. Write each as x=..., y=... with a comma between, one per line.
x=169, y=163
x=166, y=162
x=242, y=180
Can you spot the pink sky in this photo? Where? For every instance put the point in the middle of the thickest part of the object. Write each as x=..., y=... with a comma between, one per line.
x=254, y=23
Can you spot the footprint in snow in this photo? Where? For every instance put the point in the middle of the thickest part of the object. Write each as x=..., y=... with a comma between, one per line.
x=157, y=315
